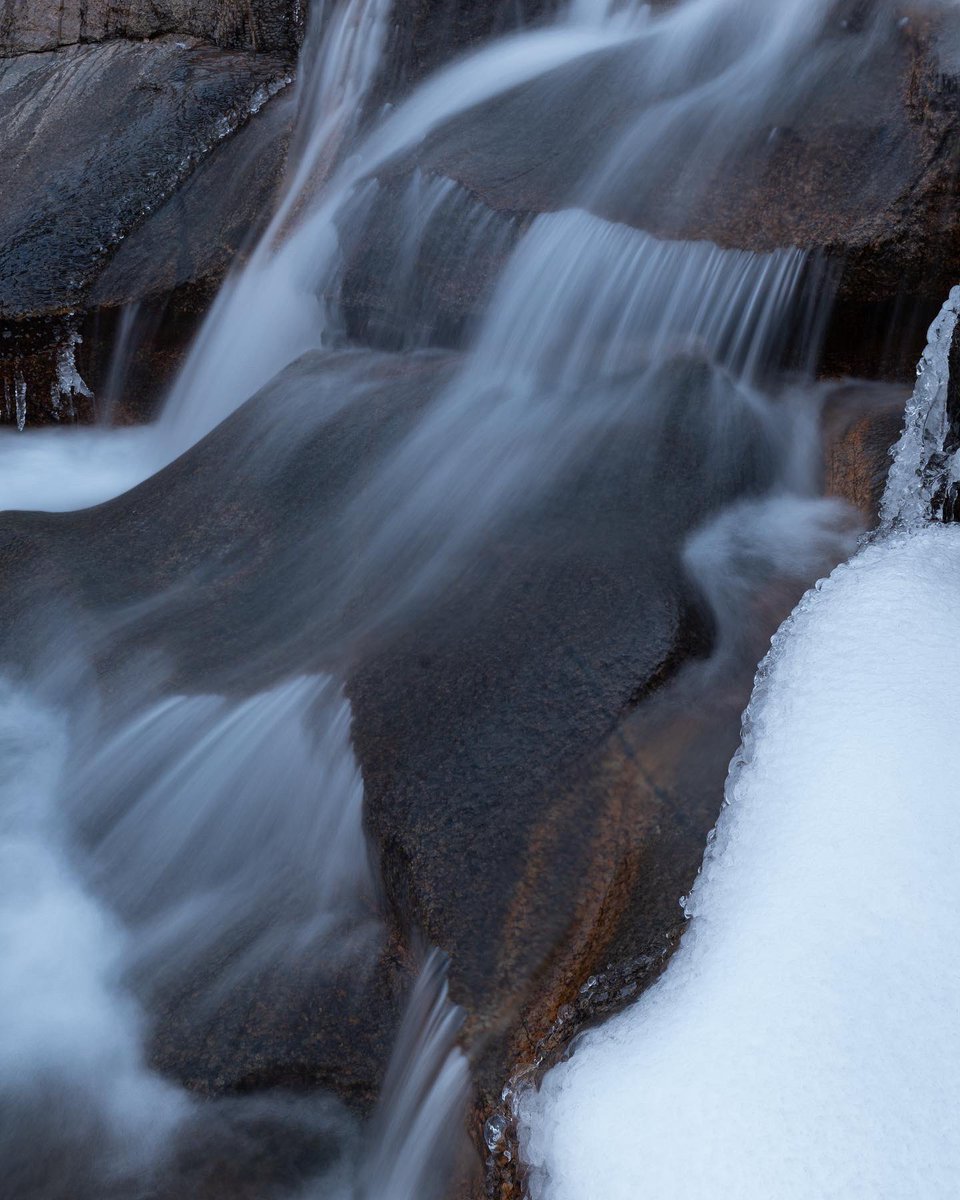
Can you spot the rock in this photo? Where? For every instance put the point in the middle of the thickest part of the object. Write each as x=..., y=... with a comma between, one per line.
x=29, y=26
x=862, y=422
x=198, y=232
x=421, y=259
x=163, y=236
x=163, y=277
x=476, y=718
x=95, y=139
x=855, y=163
x=425, y=33
x=213, y=575
x=543, y=749
x=242, y=562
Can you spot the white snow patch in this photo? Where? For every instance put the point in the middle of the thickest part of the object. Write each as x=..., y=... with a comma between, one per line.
x=803, y=1044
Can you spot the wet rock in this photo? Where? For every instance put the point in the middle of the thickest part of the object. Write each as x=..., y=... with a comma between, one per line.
x=474, y=709
x=236, y=547
x=862, y=422
x=857, y=162
x=154, y=291
x=543, y=751
x=421, y=259
x=29, y=26
x=476, y=718
x=648, y=796
x=217, y=212
x=95, y=138
x=425, y=33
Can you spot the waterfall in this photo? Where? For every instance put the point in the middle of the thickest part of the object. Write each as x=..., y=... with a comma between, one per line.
x=128, y=870
x=72, y=1066
x=424, y=1093
x=272, y=311
x=174, y=849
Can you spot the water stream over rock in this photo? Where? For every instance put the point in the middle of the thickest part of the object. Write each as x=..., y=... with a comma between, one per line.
x=358, y=705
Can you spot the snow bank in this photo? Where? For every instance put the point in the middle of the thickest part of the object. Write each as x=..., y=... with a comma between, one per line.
x=804, y=1042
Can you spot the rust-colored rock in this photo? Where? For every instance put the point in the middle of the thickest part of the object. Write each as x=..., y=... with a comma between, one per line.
x=862, y=423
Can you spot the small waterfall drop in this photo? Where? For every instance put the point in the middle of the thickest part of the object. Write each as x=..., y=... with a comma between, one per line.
x=201, y=832
x=414, y=1133
x=73, y=1073
x=272, y=311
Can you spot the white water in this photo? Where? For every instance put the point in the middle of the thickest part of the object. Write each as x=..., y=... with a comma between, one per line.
x=414, y=1134
x=213, y=820
x=579, y=329
x=803, y=1041
x=70, y=1028
x=201, y=829
x=57, y=470
x=273, y=311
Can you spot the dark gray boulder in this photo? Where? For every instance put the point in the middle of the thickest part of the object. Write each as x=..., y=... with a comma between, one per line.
x=95, y=139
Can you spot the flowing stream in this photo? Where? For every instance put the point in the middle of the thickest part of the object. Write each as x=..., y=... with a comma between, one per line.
x=179, y=841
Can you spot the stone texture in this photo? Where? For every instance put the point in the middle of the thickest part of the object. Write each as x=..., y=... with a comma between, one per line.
x=162, y=278
x=860, y=164
x=426, y=33
x=543, y=748
x=473, y=712
x=95, y=139
x=225, y=572
x=862, y=422
x=28, y=26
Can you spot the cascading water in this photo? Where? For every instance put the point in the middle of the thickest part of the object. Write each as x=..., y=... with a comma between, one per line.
x=128, y=874
x=208, y=847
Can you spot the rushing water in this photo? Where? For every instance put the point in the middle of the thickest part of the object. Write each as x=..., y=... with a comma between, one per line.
x=183, y=845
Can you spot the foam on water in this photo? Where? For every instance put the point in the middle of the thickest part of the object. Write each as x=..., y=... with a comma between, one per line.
x=57, y=470
x=201, y=831
x=70, y=1050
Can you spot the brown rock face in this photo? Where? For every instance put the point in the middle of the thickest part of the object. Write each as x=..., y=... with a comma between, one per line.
x=27, y=26
x=862, y=422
